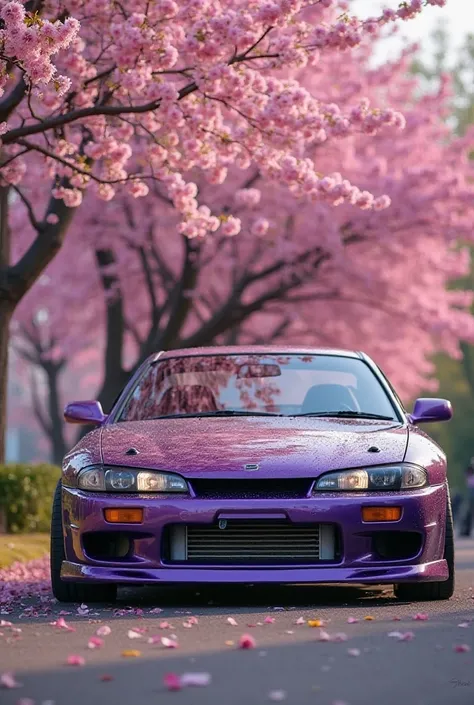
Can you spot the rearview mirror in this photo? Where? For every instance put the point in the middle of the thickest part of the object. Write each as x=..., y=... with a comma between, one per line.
x=251, y=370
x=85, y=412
x=431, y=411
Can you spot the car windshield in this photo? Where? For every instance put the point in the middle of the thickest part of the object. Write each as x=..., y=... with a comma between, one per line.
x=286, y=385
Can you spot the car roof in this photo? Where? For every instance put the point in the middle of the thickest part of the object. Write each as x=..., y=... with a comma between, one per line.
x=255, y=350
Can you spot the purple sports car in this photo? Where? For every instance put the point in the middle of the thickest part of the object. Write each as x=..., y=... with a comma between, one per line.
x=254, y=465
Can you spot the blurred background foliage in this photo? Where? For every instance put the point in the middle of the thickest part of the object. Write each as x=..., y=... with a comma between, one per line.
x=456, y=377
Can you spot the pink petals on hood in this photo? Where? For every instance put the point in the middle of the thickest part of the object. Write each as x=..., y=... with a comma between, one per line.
x=75, y=660
x=7, y=680
x=247, y=642
x=61, y=624
x=231, y=621
x=352, y=620
x=277, y=695
x=173, y=681
x=269, y=620
x=420, y=617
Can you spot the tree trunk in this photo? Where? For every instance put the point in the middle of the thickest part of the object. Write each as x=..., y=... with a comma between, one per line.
x=17, y=279
x=6, y=312
x=58, y=444
x=114, y=376
x=115, y=331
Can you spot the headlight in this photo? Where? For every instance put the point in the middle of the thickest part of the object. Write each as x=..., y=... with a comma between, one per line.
x=116, y=479
x=388, y=477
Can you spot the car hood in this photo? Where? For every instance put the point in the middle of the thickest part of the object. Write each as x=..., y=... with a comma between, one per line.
x=282, y=447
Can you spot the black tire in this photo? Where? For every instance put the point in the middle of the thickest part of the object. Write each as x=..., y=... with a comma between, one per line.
x=421, y=592
x=66, y=591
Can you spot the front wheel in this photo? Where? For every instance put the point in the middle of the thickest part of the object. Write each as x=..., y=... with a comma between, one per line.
x=421, y=592
x=65, y=591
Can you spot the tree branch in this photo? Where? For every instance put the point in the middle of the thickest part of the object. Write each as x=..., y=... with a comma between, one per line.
x=42, y=250
x=233, y=312
x=150, y=286
x=133, y=330
x=114, y=329
x=178, y=303
x=278, y=330
x=169, y=280
x=13, y=100
x=31, y=214
x=37, y=408
x=14, y=135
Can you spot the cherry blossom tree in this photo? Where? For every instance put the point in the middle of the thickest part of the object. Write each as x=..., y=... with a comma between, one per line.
x=47, y=336
x=306, y=273
x=108, y=97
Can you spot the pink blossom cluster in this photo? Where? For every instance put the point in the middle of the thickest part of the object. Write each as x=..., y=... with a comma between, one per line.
x=370, y=277
x=410, y=8
x=302, y=181
x=143, y=91
x=33, y=42
x=247, y=197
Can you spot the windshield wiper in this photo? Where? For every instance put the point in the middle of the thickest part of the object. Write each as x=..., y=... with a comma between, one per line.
x=348, y=415
x=239, y=412
x=220, y=412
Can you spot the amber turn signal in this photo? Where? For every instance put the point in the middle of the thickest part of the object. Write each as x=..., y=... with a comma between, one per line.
x=381, y=513
x=124, y=516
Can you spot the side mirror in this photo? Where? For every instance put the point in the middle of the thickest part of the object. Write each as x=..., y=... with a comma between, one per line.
x=85, y=412
x=431, y=411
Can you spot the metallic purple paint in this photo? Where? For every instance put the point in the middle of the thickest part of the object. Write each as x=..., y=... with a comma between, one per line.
x=423, y=512
x=283, y=447
x=218, y=448
x=85, y=412
x=431, y=410
x=253, y=349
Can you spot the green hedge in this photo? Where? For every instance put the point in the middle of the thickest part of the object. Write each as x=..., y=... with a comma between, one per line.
x=26, y=495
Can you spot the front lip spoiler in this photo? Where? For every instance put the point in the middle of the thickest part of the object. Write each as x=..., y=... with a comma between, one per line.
x=424, y=572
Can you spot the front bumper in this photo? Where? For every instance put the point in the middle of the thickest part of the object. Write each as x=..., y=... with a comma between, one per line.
x=423, y=513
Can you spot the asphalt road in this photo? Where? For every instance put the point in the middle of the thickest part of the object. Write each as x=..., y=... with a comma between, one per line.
x=288, y=664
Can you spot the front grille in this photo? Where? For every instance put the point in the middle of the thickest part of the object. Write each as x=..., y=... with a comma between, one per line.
x=251, y=488
x=251, y=542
